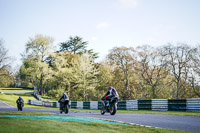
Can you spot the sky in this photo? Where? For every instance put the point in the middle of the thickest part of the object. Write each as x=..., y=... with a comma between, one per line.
x=103, y=23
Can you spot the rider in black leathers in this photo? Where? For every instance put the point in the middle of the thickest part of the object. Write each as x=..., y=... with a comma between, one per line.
x=110, y=93
x=64, y=100
x=20, y=101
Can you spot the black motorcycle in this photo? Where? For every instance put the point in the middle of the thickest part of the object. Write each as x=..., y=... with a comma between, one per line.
x=110, y=106
x=20, y=106
x=64, y=107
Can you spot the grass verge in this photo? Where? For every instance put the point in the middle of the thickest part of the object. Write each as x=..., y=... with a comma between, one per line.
x=15, y=90
x=147, y=112
x=17, y=125
x=24, y=113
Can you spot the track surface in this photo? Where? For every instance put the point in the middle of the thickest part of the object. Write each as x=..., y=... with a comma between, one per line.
x=187, y=123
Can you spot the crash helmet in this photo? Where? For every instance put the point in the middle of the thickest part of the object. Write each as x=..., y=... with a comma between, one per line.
x=110, y=88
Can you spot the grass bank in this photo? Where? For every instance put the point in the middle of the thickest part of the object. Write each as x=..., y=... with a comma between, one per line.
x=24, y=113
x=20, y=125
x=15, y=90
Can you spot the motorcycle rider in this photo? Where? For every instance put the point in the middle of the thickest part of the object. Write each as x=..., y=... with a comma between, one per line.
x=20, y=101
x=110, y=93
x=64, y=100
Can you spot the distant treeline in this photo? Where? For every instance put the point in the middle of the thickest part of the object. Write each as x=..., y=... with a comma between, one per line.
x=145, y=72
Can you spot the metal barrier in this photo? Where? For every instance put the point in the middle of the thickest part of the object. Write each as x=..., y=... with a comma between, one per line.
x=190, y=105
x=86, y=105
x=177, y=105
x=132, y=105
x=193, y=105
x=93, y=104
x=79, y=105
x=99, y=104
x=121, y=105
x=35, y=94
x=144, y=104
x=159, y=104
x=73, y=104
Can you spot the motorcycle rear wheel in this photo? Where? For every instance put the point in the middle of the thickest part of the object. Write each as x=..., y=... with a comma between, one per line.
x=102, y=110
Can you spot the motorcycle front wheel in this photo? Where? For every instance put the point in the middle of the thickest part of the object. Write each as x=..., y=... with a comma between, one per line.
x=113, y=108
x=66, y=109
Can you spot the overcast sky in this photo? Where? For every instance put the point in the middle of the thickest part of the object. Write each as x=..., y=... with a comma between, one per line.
x=103, y=23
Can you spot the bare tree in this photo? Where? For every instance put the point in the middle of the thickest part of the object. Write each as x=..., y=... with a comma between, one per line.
x=4, y=59
x=122, y=58
x=151, y=67
x=179, y=58
x=194, y=73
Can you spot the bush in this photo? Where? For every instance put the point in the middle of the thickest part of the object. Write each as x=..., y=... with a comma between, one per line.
x=55, y=93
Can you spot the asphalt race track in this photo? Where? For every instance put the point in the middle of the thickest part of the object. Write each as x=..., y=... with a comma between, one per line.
x=187, y=123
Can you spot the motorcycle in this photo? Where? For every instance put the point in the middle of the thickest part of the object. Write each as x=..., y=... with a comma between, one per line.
x=64, y=108
x=20, y=106
x=110, y=106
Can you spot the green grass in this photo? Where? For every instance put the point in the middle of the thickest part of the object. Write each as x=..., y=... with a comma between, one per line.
x=11, y=100
x=47, y=98
x=15, y=90
x=24, y=113
x=19, y=125
x=160, y=112
x=147, y=112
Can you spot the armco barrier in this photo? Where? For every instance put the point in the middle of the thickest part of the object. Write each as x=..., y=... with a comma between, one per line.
x=193, y=105
x=86, y=105
x=93, y=104
x=79, y=105
x=121, y=105
x=73, y=104
x=177, y=105
x=47, y=103
x=28, y=101
x=144, y=104
x=159, y=104
x=39, y=103
x=190, y=105
x=99, y=104
x=35, y=94
x=132, y=105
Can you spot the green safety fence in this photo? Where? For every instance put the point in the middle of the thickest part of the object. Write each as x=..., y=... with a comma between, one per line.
x=74, y=104
x=121, y=105
x=28, y=101
x=144, y=104
x=99, y=104
x=55, y=104
x=86, y=105
x=177, y=104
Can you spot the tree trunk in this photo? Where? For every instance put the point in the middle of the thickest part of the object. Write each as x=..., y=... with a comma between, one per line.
x=153, y=92
x=41, y=83
x=127, y=87
x=177, y=89
x=69, y=89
